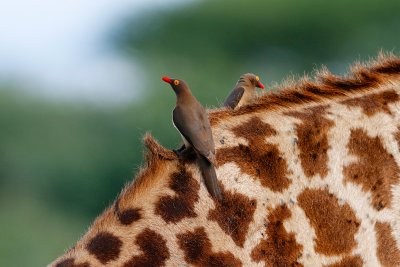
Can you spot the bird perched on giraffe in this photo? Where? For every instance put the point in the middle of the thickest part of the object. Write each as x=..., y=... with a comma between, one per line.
x=190, y=119
x=244, y=92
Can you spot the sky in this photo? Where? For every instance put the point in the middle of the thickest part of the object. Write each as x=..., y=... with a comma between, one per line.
x=57, y=49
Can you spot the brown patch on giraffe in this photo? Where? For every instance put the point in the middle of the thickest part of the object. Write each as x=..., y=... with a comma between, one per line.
x=388, y=252
x=154, y=250
x=335, y=225
x=325, y=86
x=254, y=130
x=375, y=170
x=374, y=103
x=280, y=248
x=70, y=262
x=263, y=161
x=313, y=142
x=198, y=250
x=234, y=213
x=127, y=216
x=348, y=261
x=175, y=208
x=258, y=159
x=105, y=247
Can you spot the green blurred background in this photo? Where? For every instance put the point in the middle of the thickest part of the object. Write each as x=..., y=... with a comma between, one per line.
x=64, y=157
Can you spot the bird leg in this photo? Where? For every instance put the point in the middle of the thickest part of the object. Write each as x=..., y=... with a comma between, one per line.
x=179, y=150
x=184, y=152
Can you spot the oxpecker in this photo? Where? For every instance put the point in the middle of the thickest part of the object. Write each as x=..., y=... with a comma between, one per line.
x=190, y=119
x=244, y=92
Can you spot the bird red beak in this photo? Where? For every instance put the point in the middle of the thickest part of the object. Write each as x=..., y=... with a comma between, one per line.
x=166, y=79
x=260, y=85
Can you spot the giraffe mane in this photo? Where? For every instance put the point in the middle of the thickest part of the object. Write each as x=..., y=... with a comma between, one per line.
x=156, y=156
x=324, y=86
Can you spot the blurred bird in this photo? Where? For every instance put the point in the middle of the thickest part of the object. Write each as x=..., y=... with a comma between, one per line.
x=190, y=119
x=244, y=92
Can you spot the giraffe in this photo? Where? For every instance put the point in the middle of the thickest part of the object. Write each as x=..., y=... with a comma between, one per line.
x=309, y=174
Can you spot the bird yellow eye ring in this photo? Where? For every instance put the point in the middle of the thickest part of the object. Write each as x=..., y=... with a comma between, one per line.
x=257, y=78
x=176, y=82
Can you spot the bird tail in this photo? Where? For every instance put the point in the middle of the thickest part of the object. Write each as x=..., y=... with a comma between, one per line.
x=210, y=177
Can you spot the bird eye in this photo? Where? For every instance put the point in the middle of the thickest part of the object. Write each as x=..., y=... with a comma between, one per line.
x=176, y=82
x=257, y=78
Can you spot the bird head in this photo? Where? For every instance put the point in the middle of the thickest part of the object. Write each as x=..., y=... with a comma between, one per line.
x=252, y=79
x=176, y=84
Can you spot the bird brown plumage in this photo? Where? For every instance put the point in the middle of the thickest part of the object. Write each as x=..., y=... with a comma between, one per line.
x=244, y=92
x=190, y=119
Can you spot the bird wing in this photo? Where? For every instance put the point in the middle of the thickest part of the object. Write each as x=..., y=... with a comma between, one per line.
x=234, y=97
x=196, y=129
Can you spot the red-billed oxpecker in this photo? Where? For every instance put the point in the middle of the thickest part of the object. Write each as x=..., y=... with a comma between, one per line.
x=244, y=92
x=191, y=120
